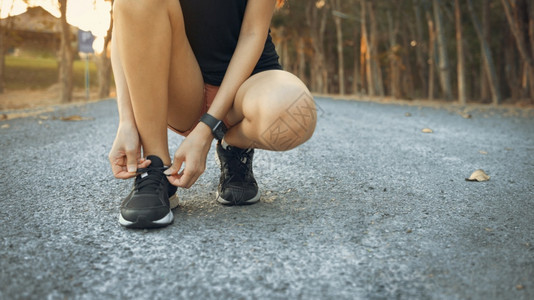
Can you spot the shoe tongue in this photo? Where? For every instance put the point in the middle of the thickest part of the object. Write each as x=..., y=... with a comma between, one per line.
x=156, y=161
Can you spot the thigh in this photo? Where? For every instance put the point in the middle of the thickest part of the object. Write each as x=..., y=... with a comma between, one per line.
x=186, y=85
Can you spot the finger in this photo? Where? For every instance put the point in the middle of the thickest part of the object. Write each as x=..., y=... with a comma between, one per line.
x=190, y=176
x=131, y=160
x=124, y=175
x=119, y=169
x=143, y=163
x=174, y=179
x=175, y=166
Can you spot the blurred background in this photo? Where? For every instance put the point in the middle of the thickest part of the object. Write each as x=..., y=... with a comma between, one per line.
x=458, y=51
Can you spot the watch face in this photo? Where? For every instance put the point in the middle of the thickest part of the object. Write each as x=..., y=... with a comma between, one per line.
x=219, y=130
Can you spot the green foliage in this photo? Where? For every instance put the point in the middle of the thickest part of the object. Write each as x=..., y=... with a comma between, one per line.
x=33, y=73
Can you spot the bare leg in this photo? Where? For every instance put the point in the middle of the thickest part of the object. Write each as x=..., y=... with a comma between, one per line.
x=273, y=110
x=162, y=77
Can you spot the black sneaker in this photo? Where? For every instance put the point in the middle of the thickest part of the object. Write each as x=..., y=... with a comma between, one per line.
x=147, y=205
x=237, y=185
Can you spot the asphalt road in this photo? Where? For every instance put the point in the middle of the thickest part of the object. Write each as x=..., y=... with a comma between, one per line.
x=370, y=208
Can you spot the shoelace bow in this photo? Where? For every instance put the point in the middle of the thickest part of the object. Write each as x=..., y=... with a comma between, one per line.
x=242, y=169
x=153, y=177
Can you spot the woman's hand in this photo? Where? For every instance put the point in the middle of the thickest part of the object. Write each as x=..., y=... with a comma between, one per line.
x=125, y=155
x=192, y=152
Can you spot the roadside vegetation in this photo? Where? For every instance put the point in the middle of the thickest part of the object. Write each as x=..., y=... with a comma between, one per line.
x=35, y=73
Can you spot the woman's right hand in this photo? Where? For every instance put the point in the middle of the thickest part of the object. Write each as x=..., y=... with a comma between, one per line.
x=125, y=155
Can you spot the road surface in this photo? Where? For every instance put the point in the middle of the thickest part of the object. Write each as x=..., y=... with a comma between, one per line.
x=370, y=208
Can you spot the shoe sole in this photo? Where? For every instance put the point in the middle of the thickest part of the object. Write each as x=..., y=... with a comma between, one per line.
x=142, y=223
x=253, y=200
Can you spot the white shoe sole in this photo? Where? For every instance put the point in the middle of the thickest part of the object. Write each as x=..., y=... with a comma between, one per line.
x=157, y=223
x=253, y=200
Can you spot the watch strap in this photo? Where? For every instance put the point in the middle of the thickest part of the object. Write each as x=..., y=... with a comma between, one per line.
x=218, y=128
x=209, y=120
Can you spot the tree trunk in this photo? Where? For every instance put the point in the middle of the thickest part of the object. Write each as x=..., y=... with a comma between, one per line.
x=104, y=67
x=356, y=82
x=66, y=56
x=316, y=19
x=377, y=72
x=104, y=74
x=407, y=80
x=444, y=68
x=2, y=58
x=488, y=57
x=484, y=87
x=393, y=56
x=336, y=5
x=511, y=71
x=531, y=27
x=366, y=52
x=285, y=54
x=431, y=55
x=422, y=64
x=462, y=98
x=528, y=60
x=301, y=59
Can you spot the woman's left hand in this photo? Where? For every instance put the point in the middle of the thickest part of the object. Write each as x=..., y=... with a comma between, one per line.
x=192, y=153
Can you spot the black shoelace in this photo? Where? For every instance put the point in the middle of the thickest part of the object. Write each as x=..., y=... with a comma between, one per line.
x=152, y=179
x=237, y=166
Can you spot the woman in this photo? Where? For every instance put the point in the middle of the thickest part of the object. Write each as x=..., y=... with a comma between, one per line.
x=205, y=69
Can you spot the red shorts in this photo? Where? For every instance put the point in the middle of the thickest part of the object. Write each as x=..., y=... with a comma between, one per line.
x=209, y=94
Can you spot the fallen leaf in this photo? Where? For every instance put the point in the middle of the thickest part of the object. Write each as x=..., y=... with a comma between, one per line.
x=479, y=175
x=483, y=152
x=465, y=115
x=5, y=126
x=519, y=287
x=408, y=114
x=3, y=117
x=74, y=118
x=427, y=130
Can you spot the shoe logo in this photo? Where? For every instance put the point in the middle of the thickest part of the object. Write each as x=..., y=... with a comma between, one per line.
x=144, y=175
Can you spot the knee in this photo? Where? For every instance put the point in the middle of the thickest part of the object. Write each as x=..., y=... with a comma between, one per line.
x=288, y=123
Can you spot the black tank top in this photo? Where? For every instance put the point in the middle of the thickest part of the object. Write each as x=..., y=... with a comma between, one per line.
x=212, y=27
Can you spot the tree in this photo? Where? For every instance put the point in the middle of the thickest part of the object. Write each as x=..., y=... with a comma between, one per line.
x=5, y=27
x=418, y=43
x=521, y=42
x=462, y=93
x=66, y=56
x=316, y=17
x=369, y=50
x=484, y=86
x=444, y=66
x=336, y=8
x=488, y=57
x=394, y=52
x=104, y=66
x=431, y=55
x=3, y=49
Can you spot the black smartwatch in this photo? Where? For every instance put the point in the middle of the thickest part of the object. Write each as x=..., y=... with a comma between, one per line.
x=218, y=129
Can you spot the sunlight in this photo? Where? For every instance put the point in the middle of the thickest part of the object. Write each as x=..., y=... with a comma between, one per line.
x=11, y=8
x=88, y=15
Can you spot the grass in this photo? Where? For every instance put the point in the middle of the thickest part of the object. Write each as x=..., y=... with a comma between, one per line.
x=31, y=73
